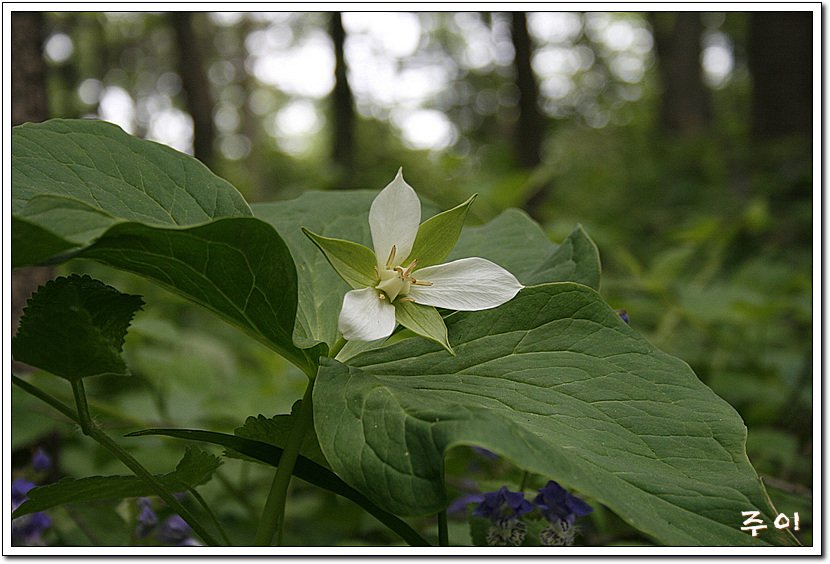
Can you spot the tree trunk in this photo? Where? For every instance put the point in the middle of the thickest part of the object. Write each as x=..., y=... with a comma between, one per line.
x=685, y=105
x=195, y=85
x=29, y=104
x=528, y=134
x=28, y=68
x=342, y=107
x=780, y=59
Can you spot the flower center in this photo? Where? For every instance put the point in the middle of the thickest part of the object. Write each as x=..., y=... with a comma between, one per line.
x=395, y=280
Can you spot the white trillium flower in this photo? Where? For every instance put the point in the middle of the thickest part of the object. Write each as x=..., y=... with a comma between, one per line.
x=468, y=284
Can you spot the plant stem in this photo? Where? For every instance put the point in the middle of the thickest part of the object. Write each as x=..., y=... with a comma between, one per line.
x=197, y=496
x=45, y=397
x=91, y=430
x=525, y=477
x=273, y=514
x=337, y=347
x=443, y=532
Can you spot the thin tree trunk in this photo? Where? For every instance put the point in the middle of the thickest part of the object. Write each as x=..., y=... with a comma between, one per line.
x=28, y=68
x=528, y=134
x=29, y=104
x=196, y=86
x=342, y=107
x=685, y=105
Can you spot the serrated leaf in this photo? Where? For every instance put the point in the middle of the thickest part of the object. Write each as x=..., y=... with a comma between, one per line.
x=438, y=235
x=275, y=431
x=424, y=321
x=239, y=268
x=195, y=468
x=557, y=383
x=74, y=327
x=304, y=468
x=355, y=263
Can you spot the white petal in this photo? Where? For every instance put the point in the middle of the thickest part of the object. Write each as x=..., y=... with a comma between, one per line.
x=394, y=218
x=468, y=284
x=365, y=317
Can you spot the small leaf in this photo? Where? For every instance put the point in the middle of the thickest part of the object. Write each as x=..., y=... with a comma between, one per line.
x=195, y=468
x=275, y=431
x=354, y=263
x=423, y=320
x=74, y=327
x=438, y=235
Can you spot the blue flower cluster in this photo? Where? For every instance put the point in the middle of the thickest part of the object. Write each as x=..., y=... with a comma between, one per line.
x=173, y=531
x=505, y=510
x=28, y=530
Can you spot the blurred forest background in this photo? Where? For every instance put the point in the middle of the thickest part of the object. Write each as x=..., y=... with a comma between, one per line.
x=682, y=142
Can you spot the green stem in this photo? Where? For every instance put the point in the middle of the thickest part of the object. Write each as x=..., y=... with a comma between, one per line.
x=91, y=430
x=523, y=484
x=45, y=397
x=443, y=532
x=273, y=514
x=197, y=496
x=337, y=347
x=83, y=418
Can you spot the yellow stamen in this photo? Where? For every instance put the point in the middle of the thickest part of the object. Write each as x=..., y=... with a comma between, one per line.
x=381, y=295
x=410, y=268
x=406, y=300
x=391, y=258
x=421, y=282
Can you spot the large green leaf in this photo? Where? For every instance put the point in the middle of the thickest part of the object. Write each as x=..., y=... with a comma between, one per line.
x=86, y=188
x=512, y=240
x=557, y=383
x=238, y=268
x=194, y=469
x=76, y=178
x=74, y=327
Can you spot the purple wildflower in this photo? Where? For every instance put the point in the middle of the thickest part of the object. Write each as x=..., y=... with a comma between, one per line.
x=147, y=518
x=558, y=504
x=175, y=531
x=502, y=506
x=41, y=461
x=26, y=530
x=623, y=314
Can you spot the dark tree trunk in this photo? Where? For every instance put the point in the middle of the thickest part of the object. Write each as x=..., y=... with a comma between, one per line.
x=685, y=105
x=28, y=68
x=342, y=107
x=780, y=59
x=29, y=104
x=196, y=86
x=528, y=140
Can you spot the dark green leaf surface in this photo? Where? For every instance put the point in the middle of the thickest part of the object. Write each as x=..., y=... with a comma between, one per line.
x=74, y=327
x=304, y=468
x=195, y=468
x=76, y=178
x=238, y=268
x=557, y=383
x=515, y=242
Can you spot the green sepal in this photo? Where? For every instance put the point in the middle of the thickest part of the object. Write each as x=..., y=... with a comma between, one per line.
x=74, y=327
x=424, y=321
x=438, y=235
x=354, y=263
